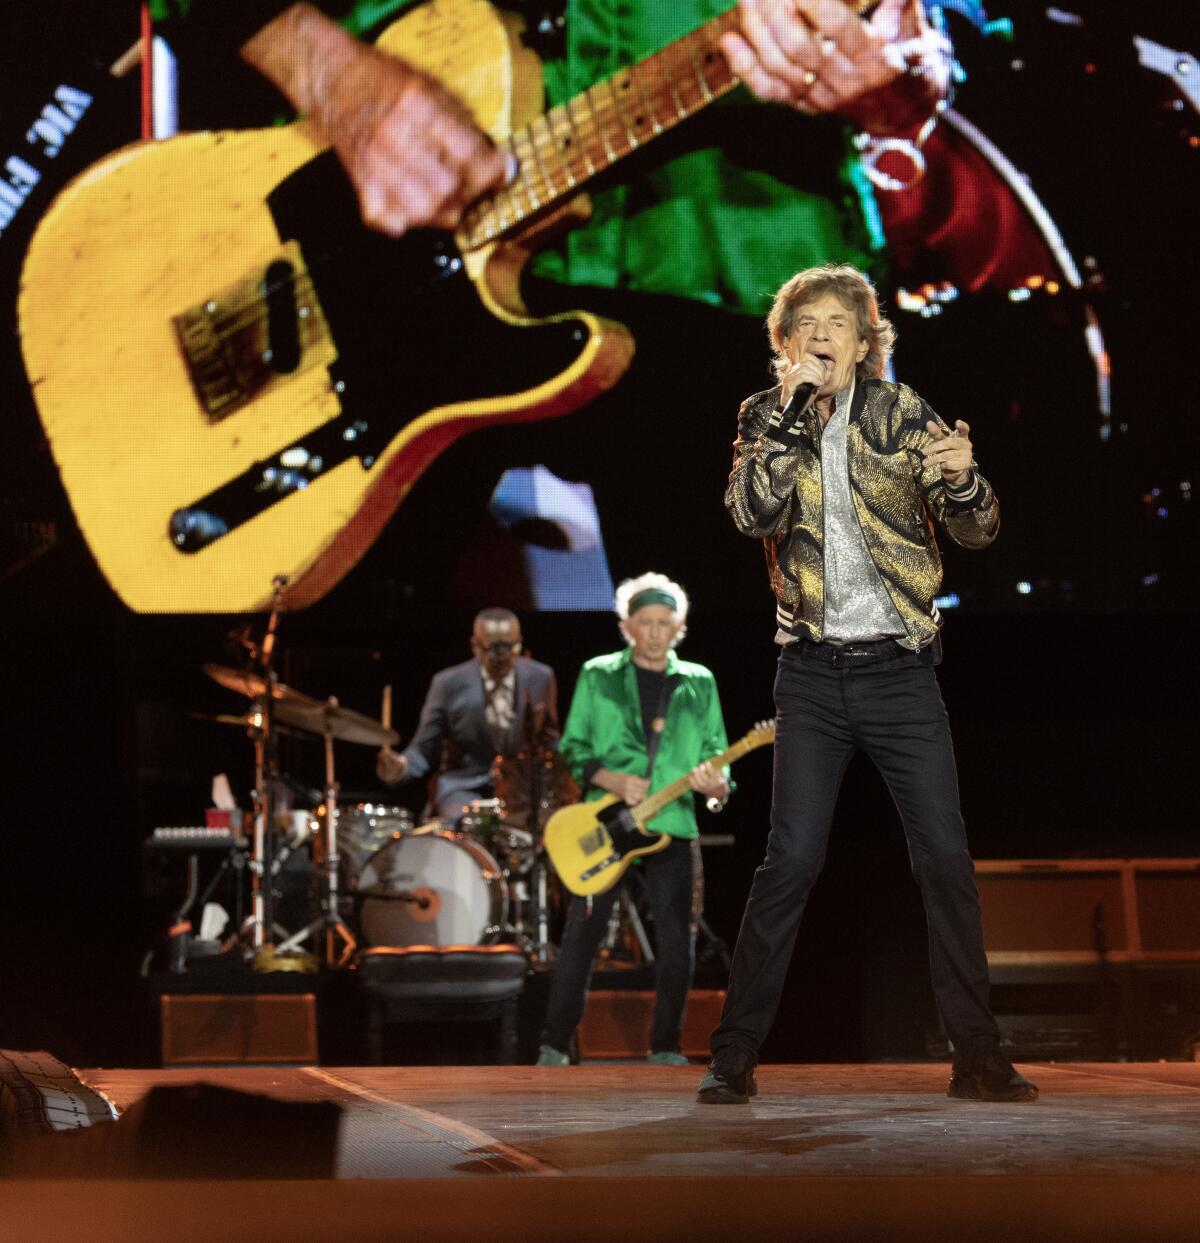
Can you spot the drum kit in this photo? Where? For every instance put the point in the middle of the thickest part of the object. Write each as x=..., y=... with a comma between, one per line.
x=380, y=878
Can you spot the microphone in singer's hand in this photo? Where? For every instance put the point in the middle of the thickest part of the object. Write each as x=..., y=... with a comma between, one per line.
x=800, y=399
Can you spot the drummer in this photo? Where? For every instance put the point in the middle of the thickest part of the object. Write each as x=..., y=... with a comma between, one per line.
x=494, y=704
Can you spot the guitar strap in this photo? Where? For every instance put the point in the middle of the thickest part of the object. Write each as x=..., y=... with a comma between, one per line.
x=654, y=736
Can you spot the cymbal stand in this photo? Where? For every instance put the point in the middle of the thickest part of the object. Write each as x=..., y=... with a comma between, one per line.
x=261, y=922
x=339, y=940
x=541, y=949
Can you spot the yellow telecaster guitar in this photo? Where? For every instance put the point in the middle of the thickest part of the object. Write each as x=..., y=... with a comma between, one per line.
x=591, y=844
x=238, y=380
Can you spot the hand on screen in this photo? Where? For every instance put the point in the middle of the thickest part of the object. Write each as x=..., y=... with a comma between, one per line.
x=410, y=148
x=818, y=56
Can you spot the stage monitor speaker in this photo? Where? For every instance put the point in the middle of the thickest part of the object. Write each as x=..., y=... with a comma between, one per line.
x=208, y=1028
x=617, y=1023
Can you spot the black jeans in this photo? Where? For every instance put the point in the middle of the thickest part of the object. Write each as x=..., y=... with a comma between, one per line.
x=885, y=700
x=667, y=876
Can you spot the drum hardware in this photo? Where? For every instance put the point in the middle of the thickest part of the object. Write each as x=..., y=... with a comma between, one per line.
x=530, y=786
x=475, y=884
x=363, y=829
x=250, y=722
x=483, y=820
x=328, y=719
x=626, y=934
x=311, y=716
x=261, y=924
x=515, y=849
x=329, y=921
x=432, y=886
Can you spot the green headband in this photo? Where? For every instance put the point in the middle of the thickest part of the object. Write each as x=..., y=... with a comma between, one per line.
x=652, y=595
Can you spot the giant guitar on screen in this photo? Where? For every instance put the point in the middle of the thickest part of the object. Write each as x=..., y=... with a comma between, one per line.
x=238, y=380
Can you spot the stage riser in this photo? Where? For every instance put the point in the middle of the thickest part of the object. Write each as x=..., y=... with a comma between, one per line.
x=617, y=1024
x=212, y=1029
x=1093, y=958
x=1138, y=910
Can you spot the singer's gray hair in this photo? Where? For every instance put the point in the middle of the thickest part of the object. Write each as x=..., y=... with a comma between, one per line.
x=632, y=587
x=855, y=292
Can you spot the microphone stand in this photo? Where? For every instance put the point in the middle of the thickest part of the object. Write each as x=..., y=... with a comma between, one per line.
x=266, y=772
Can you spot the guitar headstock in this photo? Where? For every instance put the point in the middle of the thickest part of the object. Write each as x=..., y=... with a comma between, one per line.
x=762, y=734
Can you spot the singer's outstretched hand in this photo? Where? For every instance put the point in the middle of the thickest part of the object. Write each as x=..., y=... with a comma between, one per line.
x=951, y=453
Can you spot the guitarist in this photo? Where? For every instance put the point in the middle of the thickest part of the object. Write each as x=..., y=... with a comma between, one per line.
x=639, y=719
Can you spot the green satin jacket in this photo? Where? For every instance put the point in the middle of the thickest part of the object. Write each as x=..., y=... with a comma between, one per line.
x=605, y=725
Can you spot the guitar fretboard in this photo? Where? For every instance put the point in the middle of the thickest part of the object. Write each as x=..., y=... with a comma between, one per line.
x=561, y=150
x=649, y=807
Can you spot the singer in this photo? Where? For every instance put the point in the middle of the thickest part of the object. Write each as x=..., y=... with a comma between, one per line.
x=843, y=475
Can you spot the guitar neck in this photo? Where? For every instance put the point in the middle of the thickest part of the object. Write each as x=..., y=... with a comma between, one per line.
x=649, y=807
x=566, y=147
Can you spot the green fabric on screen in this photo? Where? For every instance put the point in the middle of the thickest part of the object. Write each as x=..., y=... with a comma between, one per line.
x=711, y=222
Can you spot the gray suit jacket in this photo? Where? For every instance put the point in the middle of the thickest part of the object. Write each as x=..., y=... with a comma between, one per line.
x=453, y=738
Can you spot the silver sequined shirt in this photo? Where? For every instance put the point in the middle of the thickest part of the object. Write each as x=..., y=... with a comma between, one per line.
x=857, y=605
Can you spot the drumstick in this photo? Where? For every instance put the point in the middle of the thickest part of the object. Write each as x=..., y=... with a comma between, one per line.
x=385, y=715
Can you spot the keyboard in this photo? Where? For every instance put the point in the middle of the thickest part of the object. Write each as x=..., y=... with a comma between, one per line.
x=193, y=837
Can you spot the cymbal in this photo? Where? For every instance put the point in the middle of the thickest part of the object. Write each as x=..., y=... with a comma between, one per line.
x=317, y=716
x=249, y=721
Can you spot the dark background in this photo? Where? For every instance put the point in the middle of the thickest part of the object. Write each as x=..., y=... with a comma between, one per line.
x=1073, y=706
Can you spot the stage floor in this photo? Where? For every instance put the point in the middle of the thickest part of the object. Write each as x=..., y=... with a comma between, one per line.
x=603, y=1151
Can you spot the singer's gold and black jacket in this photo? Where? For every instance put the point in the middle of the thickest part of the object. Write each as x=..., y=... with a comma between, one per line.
x=775, y=495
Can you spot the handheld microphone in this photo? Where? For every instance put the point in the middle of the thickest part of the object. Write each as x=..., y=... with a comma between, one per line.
x=800, y=398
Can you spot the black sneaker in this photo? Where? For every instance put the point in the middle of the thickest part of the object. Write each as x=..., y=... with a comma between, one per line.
x=991, y=1077
x=729, y=1081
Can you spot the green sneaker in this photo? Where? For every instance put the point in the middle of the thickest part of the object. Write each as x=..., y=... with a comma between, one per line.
x=667, y=1059
x=548, y=1055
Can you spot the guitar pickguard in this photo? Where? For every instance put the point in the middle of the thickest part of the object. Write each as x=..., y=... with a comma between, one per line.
x=410, y=334
x=623, y=828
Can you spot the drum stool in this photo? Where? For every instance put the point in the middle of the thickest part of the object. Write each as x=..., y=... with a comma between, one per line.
x=426, y=983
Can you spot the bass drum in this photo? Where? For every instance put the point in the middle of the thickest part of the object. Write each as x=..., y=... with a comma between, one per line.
x=431, y=887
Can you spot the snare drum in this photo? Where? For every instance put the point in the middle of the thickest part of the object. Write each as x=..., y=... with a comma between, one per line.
x=431, y=887
x=364, y=828
x=483, y=822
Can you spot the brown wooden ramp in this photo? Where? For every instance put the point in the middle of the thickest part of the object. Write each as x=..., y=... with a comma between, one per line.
x=610, y=1151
